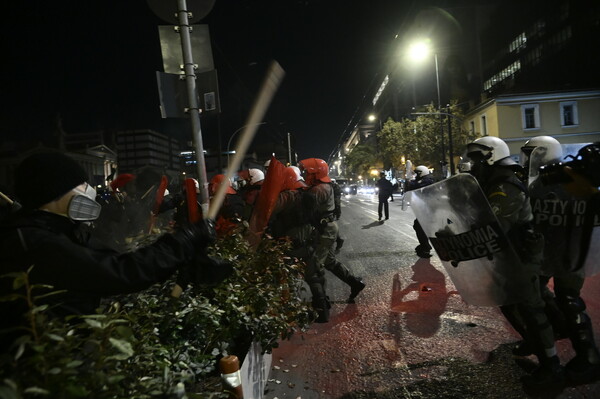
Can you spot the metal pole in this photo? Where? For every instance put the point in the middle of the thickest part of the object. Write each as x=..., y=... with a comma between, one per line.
x=437, y=81
x=289, y=148
x=194, y=110
x=450, y=148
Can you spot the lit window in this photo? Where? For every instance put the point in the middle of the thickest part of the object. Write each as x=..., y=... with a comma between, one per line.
x=484, y=130
x=530, y=114
x=568, y=113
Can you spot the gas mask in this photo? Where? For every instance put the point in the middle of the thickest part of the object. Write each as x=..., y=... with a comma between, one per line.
x=83, y=206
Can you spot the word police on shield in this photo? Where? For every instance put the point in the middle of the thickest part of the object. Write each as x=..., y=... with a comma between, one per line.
x=477, y=243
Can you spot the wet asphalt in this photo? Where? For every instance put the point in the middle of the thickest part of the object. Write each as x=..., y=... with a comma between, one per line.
x=410, y=334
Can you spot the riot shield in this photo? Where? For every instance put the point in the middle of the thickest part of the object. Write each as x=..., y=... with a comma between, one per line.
x=467, y=237
x=267, y=198
x=562, y=219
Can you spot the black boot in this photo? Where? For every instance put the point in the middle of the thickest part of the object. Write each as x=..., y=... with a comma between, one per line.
x=339, y=244
x=321, y=306
x=549, y=375
x=585, y=366
x=342, y=272
x=320, y=301
x=355, y=288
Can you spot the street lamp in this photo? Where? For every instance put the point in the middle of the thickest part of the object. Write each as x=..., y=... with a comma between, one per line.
x=373, y=118
x=419, y=51
x=234, y=133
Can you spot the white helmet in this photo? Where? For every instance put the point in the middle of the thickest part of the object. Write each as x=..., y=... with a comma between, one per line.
x=298, y=173
x=553, y=149
x=255, y=175
x=422, y=170
x=490, y=149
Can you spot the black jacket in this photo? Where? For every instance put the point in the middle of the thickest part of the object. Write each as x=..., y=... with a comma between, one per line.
x=385, y=188
x=64, y=257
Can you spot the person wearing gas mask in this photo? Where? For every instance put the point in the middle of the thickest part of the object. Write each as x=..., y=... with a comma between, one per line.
x=555, y=216
x=320, y=201
x=422, y=178
x=47, y=238
x=495, y=172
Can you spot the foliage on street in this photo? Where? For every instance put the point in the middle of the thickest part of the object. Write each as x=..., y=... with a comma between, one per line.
x=150, y=345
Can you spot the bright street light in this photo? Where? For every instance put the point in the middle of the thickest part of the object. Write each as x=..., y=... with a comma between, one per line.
x=420, y=51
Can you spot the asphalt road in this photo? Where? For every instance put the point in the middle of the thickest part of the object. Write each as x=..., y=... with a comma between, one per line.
x=410, y=334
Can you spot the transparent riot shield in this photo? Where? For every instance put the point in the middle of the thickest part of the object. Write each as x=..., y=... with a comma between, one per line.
x=467, y=237
x=562, y=219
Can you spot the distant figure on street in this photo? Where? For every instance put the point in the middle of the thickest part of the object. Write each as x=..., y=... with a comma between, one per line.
x=385, y=188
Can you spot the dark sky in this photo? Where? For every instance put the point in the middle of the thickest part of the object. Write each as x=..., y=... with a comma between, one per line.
x=93, y=63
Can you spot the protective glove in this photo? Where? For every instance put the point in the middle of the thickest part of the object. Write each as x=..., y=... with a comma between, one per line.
x=204, y=270
x=197, y=236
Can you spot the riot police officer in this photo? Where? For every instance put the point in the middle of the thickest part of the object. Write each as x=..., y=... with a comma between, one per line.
x=423, y=178
x=316, y=176
x=555, y=216
x=495, y=171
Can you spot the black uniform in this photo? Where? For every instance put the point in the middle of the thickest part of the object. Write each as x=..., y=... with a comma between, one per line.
x=385, y=191
x=423, y=249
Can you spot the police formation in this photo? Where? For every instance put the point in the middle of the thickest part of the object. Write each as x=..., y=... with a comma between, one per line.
x=503, y=230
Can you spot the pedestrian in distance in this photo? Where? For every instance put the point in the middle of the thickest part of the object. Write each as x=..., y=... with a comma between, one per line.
x=496, y=173
x=422, y=178
x=384, y=192
x=47, y=239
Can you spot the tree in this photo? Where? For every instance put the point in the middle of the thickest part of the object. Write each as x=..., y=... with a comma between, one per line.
x=419, y=139
x=362, y=157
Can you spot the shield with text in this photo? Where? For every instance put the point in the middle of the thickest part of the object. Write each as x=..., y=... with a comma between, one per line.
x=467, y=237
x=570, y=226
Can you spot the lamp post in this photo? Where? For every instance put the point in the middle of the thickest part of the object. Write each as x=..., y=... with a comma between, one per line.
x=450, y=149
x=419, y=51
x=234, y=133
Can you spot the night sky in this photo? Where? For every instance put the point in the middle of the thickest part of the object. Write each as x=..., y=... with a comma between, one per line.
x=93, y=64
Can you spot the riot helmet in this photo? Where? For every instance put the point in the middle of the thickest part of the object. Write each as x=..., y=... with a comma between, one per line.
x=298, y=173
x=491, y=150
x=552, y=152
x=314, y=169
x=252, y=176
x=486, y=152
x=291, y=180
x=422, y=171
x=217, y=181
